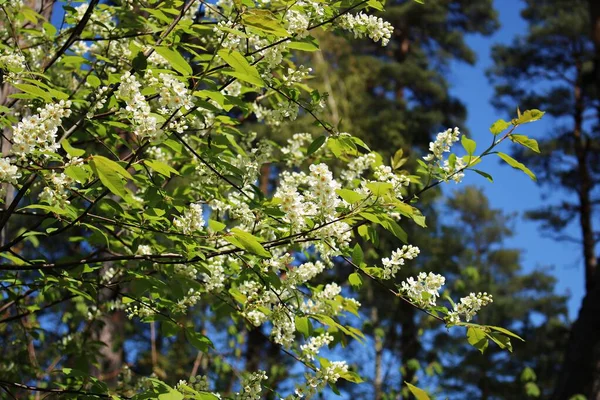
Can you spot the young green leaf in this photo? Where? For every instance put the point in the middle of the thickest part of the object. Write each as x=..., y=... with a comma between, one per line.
x=241, y=68
x=517, y=165
x=419, y=394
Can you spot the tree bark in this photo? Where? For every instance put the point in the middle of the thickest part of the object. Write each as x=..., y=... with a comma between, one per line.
x=595, y=24
x=581, y=366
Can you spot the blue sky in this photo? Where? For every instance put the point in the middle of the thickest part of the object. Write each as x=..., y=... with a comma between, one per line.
x=512, y=190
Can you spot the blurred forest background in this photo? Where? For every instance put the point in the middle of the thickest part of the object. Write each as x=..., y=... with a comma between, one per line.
x=455, y=63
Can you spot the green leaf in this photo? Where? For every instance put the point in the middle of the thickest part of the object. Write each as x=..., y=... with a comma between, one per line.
x=111, y=175
x=248, y=242
x=198, y=340
x=308, y=44
x=506, y=332
x=499, y=126
x=171, y=395
x=398, y=160
x=501, y=340
x=468, y=144
x=528, y=116
x=175, y=59
x=380, y=188
x=355, y=280
x=93, y=81
x=316, y=145
x=484, y=174
x=242, y=69
x=72, y=151
x=357, y=255
x=161, y=168
x=216, y=226
x=34, y=90
x=477, y=338
x=350, y=196
x=532, y=389
x=528, y=375
x=303, y=326
x=517, y=165
x=419, y=394
x=265, y=21
x=526, y=141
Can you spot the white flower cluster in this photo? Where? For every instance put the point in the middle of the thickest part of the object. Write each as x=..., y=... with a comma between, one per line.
x=38, y=132
x=321, y=301
x=187, y=270
x=293, y=150
x=442, y=144
x=191, y=221
x=314, y=345
x=173, y=94
x=297, y=23
x=424, y=291
x=215, y=279
x=323, y=188
x=455, y=172
x=362, y=24
x=140, y=311
x=357, y=166
x=384, y=173
x=284, y=325
x=58, y=194
x=469, y=306
x=144, y=250
x=315, y=384
x=393, y=264
x=145, y=124
x=252, y=386
x=296, y=75
x=189, y=300
x=100, y=100
x=12, y=61
x=303, y=273
x=8, y=172
x=276, y=115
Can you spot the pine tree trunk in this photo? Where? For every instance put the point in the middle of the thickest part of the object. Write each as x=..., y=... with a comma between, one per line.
x=595, y=23
x=581, y=367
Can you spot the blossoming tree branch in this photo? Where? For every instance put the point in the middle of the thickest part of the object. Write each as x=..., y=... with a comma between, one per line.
x=130, y=183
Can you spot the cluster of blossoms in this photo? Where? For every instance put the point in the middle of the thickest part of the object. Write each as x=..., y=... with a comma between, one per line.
x=358, y=166
x=8, y=172
x=425, y=290
x=38, y=132
x=140, y=311
x=442, y=144
x=13, y=62
x=252, y=386
x=173, y=94
x=187, y=270
x=469, y=306
x=58, y=194
x=276, y=115
x=384, y=173
x=190, y=299
x=311, y=349
x=362, y=25
x=145, y=124
x=392, y=265
x=192, y=220
x=293, y=151
x=296, y=75
x=315, y=384
x=297, y=22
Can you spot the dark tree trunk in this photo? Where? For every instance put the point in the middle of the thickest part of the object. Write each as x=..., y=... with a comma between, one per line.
x=581, y=367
